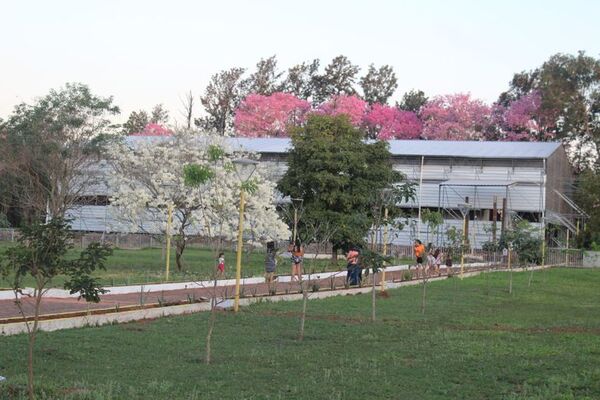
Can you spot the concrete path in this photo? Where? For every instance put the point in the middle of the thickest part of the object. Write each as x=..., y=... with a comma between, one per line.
x=145, y=295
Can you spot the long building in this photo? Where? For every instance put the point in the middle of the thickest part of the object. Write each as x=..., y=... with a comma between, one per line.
x=486, y=181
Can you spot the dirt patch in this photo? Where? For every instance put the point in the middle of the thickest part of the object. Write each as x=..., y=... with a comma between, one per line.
x=314, y=317
x=532, y=330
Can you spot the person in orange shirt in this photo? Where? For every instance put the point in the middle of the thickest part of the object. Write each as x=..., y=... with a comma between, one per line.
x=419, y=253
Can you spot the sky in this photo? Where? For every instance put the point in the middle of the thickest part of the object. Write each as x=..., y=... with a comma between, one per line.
x=149, y=52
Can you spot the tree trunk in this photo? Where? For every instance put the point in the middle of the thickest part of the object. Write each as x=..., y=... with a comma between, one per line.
x=211, y=322
x=303, y=315
x=180, y=247
x=530, y=278
x=32, y=335
x=334, y=254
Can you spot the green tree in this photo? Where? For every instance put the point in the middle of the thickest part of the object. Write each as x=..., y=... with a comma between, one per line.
x=379, y=85
x=159, y=115
x=300, y=79
x=339, y=79
x=587, y=197
x=41, y=252
x=48, y=148
x=221, y=97
x=336, y=174
x=265, y=80
x=412, y=101
x=136, y=122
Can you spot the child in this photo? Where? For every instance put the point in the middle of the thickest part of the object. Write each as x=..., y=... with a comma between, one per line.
x=221, y=265
x=419, y=253
x=297, y=254
x=270, y=263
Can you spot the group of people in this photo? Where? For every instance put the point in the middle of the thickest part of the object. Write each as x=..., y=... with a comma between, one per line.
x=295, y=253
x=429, y=260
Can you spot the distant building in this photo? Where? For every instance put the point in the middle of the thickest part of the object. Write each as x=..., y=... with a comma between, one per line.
x=526, y=180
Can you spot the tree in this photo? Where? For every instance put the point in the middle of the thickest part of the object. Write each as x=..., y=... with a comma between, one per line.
x=48, y=149
x=455, y=117
x=300, y=80
x=587, y=197
x=385, y=123
x=269, y=116
x=378, y=85
x=187, y=104
x=351, y=106
x=336, y=174
x=136, y=122
x=159, y=115
x=569, y=86
x=265, y=81
x=339, y=79
x=413, y=101
x=149, y=177
x=41, y=252
x=221, y=98
x=517, y=121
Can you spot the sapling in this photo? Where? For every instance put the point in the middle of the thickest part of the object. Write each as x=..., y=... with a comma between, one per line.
x=41, y=252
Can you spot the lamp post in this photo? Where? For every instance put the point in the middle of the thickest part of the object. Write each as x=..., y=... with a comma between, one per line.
x=386, y=197
x=244, y=169
x=464, y=210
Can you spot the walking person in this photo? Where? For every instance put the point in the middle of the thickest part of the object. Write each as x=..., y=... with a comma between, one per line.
x=353, y=275
x=419, y=249
x=270, y=263
x=297, y=258
x=437, y=261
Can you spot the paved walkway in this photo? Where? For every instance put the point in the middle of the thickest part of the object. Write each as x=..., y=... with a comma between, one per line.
x=54, y=305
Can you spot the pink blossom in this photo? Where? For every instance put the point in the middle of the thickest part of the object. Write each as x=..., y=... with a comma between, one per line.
x=269, y=116
x=455, y=117
x=351, y=106
x=154, y=130
x=391, y=123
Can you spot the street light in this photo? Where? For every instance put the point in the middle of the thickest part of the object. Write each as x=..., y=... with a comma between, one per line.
x=244, y=168
x=168, y=233
x=464, y=210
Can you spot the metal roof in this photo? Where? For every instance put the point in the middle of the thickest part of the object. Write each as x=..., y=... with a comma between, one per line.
x=427, y=148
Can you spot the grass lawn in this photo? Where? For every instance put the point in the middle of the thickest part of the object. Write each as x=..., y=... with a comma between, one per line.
x=147, y=265
x=475, y=341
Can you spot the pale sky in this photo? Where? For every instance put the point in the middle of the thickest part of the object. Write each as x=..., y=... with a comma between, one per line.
x=149, y=52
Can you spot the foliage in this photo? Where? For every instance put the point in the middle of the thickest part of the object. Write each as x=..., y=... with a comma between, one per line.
x=336, y=173
x=521, y=237
x=150, y=176
x=269, y=116
x=413, y=101
x=136, y=122
x=378, y=85
x=41, y=251
x=45, y=149
x=159, y=115
x=385, y=122
x=220, y=99
x=351, y=106
x=433, y=219
x=587, y=197
x=301, y=79
x=265, y=81
x=373, y=259
x=455, y=117
x=569, y=86
x=338, y=80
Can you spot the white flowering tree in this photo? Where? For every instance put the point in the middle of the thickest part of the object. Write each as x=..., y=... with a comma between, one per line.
x=149, y=178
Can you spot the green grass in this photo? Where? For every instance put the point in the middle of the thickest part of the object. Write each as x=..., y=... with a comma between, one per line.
x=475, y=341
x=147, y=265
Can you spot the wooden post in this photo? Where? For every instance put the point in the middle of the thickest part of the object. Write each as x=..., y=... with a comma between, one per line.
x=494, y=218
x=503, y=225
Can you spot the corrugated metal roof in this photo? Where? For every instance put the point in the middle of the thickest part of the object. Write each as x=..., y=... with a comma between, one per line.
x=476, y=182
x=473, y=149
x=427, y=148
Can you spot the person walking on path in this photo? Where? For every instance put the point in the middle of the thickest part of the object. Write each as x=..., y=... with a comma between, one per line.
x=297, y=258
x=270, y=263
x=419, y=253
x=353, y=275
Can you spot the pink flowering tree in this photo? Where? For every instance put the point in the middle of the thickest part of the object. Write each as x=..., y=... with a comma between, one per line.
x=352, y=106
x=455, y=117
x=520, y=120
x=269, y=116
x=154, y=130
x=384, y=123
